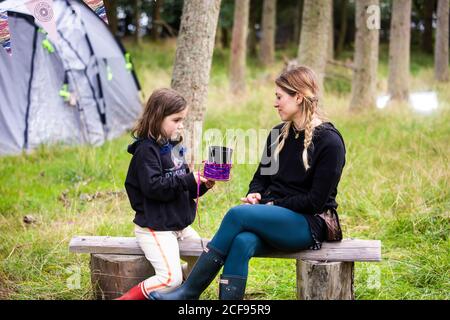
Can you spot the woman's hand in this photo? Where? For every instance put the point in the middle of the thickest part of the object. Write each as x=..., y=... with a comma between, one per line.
x=252, y=198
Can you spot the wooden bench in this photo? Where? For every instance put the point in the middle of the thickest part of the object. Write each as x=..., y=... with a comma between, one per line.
x=118, y=263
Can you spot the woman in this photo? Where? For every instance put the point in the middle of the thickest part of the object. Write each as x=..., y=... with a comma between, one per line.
x=287, y=194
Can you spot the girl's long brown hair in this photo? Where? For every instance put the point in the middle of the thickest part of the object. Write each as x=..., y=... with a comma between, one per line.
x=303, y=81
x=162, y=103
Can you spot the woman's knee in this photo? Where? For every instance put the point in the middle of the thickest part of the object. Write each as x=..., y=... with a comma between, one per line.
x=232, y=213
x=245, y=244
x=238, y=214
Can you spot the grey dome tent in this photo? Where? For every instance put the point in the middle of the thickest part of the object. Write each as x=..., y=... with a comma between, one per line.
x=80, y=90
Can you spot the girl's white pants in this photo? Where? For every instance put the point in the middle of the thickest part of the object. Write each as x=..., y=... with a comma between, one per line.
x=161, y=249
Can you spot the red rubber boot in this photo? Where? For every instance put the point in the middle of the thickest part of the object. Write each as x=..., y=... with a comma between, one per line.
x=134, y=293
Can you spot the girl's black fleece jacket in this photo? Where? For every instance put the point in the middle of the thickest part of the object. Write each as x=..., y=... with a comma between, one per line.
x=160, y=186
x=290, y=186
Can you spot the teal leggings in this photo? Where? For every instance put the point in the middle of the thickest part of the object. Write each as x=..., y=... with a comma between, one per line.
x=247, y=231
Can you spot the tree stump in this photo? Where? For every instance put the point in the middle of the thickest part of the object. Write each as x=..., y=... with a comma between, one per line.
x=188, y=265
x=324, y=280
x=113, y=275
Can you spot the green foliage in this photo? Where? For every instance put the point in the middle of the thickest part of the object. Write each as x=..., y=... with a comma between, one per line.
x=226, y=14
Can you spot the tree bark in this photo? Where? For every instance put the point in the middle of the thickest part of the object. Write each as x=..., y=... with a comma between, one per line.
x=156, y=17
x=298, y=21
x=365, y=60
x=442, y=42
x=239, y=46
x=267, y=53
x=343, y=28
x=137, y=18
x=192, y=65
x=325, y=280
x=113, y=275
x=331, y=35
x=111, y=13
x=252, y=41
x=399, y=50
x=314, y=36
x=427, y=38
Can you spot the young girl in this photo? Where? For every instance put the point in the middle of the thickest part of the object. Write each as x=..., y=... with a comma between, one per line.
x=161, y=190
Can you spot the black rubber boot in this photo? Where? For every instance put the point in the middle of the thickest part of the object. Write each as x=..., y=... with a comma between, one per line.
x=232, y=287
x=204, y=271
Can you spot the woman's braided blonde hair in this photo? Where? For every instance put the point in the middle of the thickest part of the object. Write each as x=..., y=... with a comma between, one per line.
x=303, y=81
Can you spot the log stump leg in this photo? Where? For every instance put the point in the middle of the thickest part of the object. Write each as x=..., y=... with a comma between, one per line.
x=113, y=275
x=187, y=267
x=325, y=280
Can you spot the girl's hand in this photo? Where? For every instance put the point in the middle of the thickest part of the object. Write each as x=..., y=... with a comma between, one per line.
x=210, y=183
x=252, y=198
x=197, y=176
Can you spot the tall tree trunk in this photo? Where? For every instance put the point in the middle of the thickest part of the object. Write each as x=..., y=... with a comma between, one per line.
x=343, y=28
x=156, y=19
x=298, y=21
x=312, y=51
x=331, y=35
x=111, y=13
x=366, y=59
x=252, y=41
x=137, y=18
x=191, y=71
x=442, y=42
x=399, y=50
x=427, y=38
x=267, y=53
x=239, y=46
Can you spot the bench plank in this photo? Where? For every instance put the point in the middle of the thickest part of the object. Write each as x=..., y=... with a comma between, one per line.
x=346, y=250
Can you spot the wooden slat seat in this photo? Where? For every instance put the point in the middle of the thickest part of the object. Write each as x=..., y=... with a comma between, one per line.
x=346, y=250
x=118, y=263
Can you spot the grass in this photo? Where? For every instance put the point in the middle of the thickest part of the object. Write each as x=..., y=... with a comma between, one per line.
x=394, y=188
